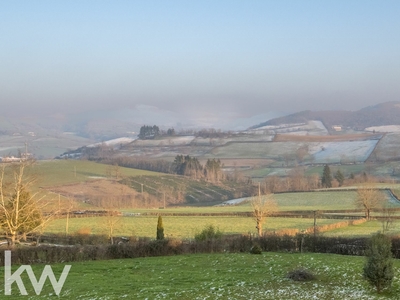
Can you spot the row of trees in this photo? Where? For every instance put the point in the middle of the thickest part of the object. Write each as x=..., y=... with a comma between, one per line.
x=297, y=180
x=326, y=180
x=150, y=132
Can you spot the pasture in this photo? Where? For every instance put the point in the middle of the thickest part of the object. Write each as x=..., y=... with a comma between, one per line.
x=58, y=172
x=178, y=227
x=364, y=229
x=214, y=276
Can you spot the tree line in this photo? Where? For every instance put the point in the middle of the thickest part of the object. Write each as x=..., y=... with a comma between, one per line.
x=190, y=166
x=297, y=180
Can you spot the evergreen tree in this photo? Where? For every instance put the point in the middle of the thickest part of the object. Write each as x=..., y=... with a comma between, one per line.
x=339, y=177
x=160, y=229
x=326, y=180
x=378, y=268
x=149, y=132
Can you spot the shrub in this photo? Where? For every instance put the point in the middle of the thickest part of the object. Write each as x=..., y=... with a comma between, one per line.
x=256, y=249
x=301, y=275
x=208, y=233
x=160, y=229
x=378, y=268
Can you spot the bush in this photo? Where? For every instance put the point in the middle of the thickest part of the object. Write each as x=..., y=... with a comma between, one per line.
x=378, y=268
x=160, y=229
x=208, y=233
x=301, y=275
x=256, y=249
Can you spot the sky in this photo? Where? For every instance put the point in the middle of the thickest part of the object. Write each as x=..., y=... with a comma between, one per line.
x=201, y=60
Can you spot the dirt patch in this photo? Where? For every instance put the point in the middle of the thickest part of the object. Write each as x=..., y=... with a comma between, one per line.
x=91, y=191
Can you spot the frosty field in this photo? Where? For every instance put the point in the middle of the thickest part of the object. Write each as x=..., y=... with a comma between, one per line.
x=215, y=276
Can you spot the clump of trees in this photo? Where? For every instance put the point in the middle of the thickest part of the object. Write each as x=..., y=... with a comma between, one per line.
x=190, y=166
x=187, y=165
x=149, y=132
x=378, y=268
x=295, y=181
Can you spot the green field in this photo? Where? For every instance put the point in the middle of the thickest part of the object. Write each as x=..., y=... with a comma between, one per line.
x=214, y=276
x=364, y=229
x=179, y=227
x=58, y=172
x=316, y=200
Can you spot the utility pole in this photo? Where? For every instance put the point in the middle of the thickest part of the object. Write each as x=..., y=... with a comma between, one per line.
x=164, y=199
x=315, y=226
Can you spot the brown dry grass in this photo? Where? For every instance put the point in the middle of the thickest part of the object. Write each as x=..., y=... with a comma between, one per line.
x=94, y=188
x=245, y=162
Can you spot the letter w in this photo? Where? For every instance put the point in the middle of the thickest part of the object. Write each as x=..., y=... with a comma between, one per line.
x=48, y=272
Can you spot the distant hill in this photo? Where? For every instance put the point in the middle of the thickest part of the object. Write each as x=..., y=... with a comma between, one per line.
x=387, y=113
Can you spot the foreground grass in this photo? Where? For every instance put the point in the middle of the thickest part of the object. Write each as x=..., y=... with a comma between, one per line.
x=179, y=227
x=215, y=276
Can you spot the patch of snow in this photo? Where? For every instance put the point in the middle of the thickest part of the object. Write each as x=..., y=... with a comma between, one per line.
x=114, y=142
x=311, y=127
x=167, y=141
x=233, y=201
x=342, y=152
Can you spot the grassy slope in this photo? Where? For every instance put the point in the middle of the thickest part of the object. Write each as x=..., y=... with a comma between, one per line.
x=60, y=172
x=215, y=276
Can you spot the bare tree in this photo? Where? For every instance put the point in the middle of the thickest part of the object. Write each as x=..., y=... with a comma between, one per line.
x=112, y=222
x=21, y=212
x=66, y=208
x=369, y=198
x=262, y=207
x=387, y=218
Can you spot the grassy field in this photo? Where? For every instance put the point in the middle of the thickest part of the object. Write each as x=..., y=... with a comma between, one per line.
x=58, y=172
x=329, y=200
x=214, y=276
x=179, y=227
x=364, y=229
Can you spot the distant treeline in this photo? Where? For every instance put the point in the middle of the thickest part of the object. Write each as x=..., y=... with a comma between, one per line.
x=151, y=132
x=158, y=165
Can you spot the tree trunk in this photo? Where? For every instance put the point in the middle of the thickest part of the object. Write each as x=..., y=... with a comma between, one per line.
x=259, y=228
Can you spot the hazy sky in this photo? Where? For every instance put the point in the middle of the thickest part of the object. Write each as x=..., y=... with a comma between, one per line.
x=241, y=58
